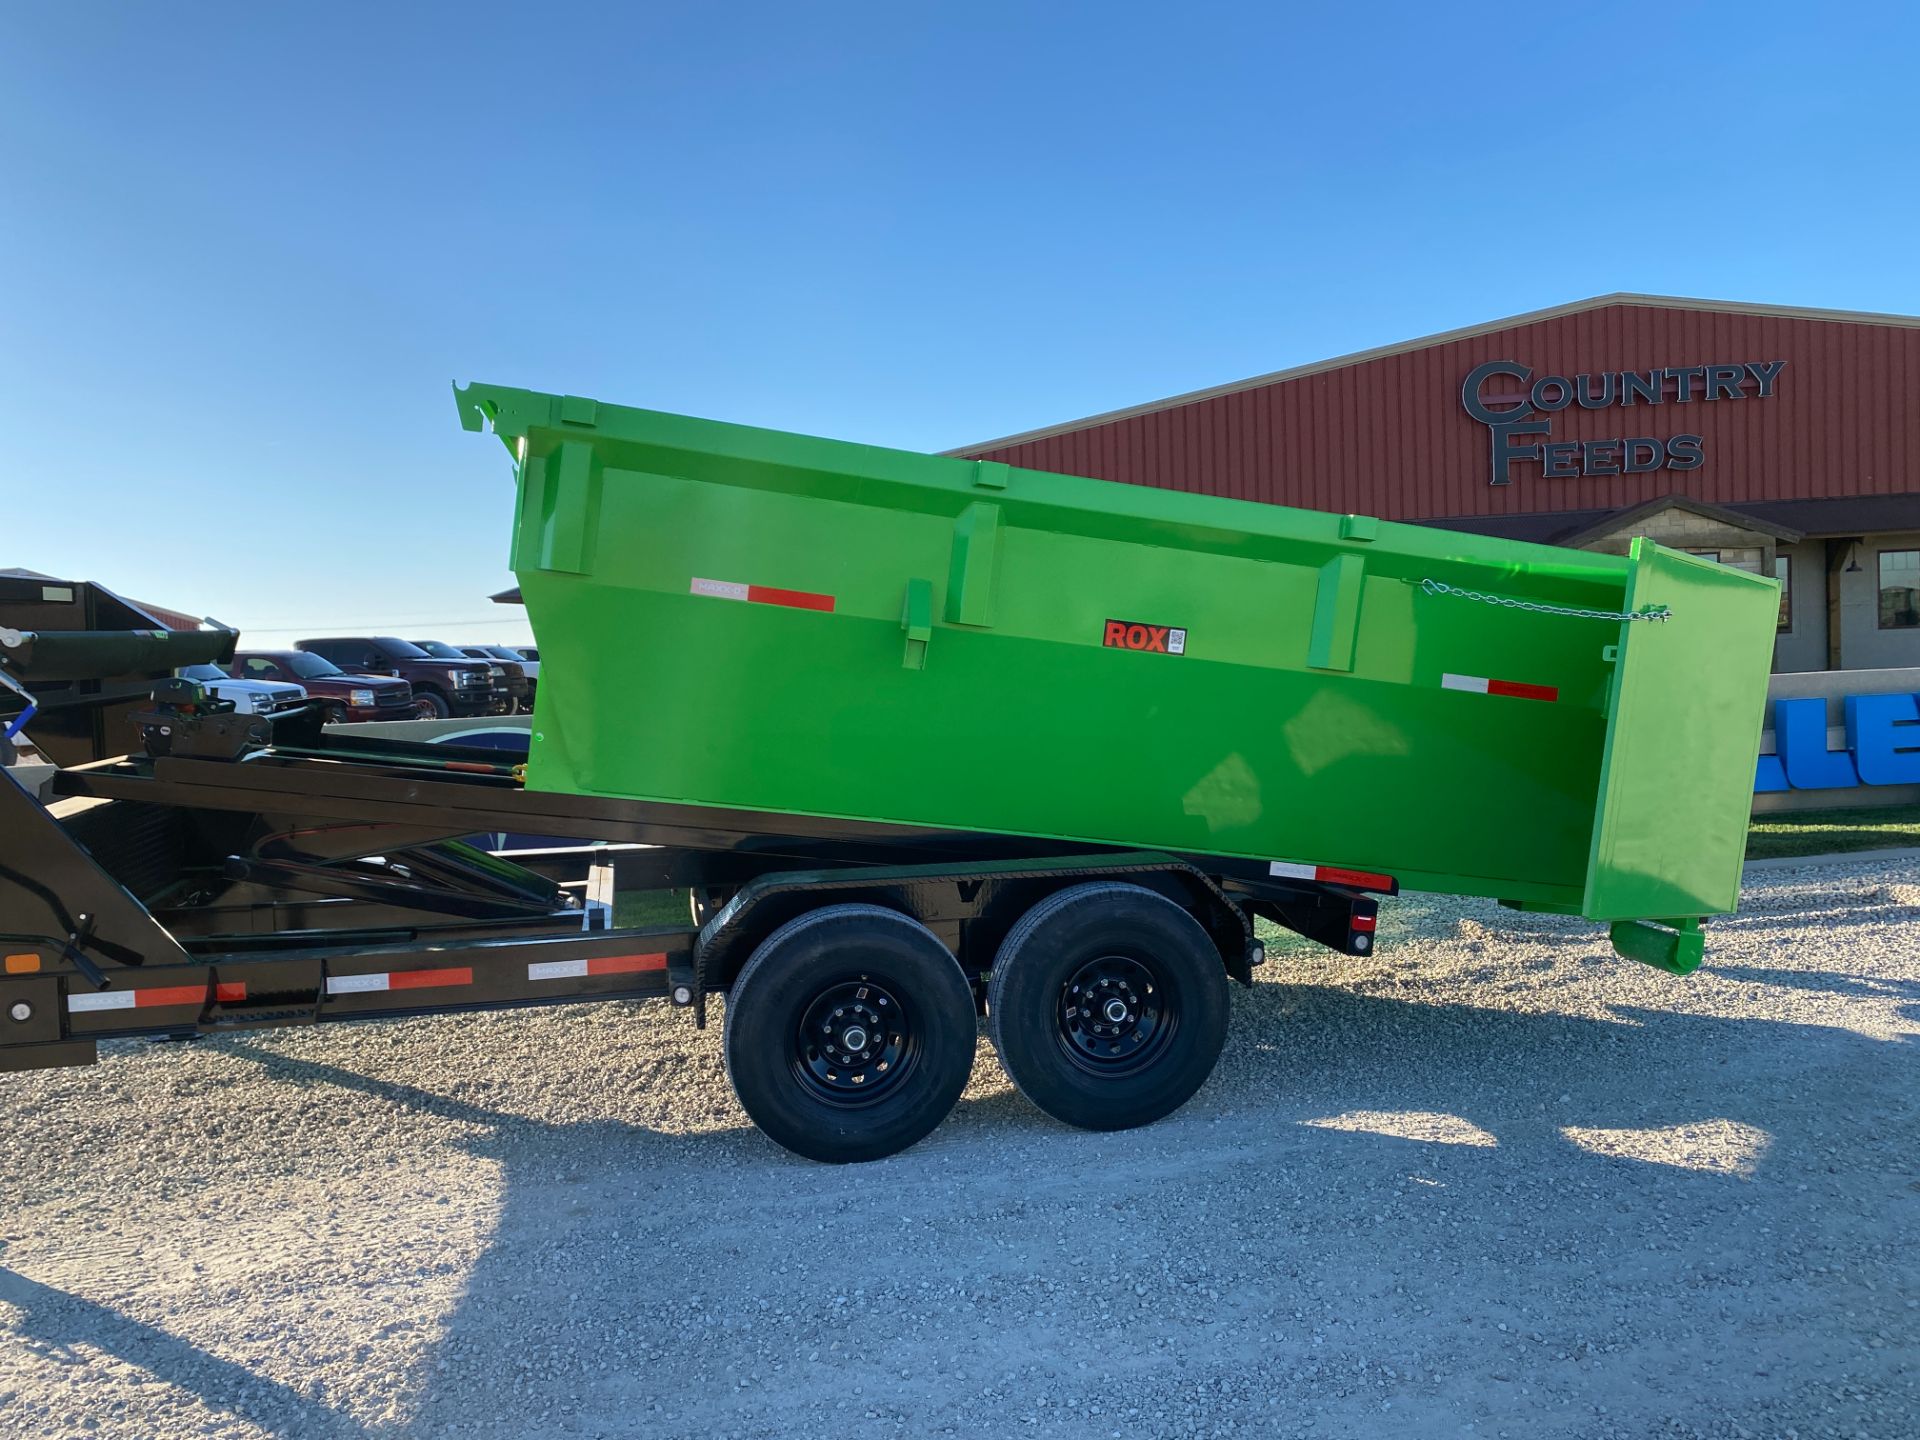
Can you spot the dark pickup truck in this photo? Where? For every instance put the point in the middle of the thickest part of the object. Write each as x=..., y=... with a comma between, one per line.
x=342, y=698
x=509, y=680
x=440, y=687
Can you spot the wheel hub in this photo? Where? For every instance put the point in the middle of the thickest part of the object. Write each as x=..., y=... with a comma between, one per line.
x=1114, y=1015
x=854, y=1042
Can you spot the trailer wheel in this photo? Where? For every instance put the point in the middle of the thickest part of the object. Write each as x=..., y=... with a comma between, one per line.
x=850, y=1033
x=1108, y=1005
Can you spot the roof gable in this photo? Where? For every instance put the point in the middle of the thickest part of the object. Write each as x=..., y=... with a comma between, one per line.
x=1623, y=519
x=1470, y=332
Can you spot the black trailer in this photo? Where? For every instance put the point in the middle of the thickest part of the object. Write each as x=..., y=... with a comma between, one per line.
x=248, y=872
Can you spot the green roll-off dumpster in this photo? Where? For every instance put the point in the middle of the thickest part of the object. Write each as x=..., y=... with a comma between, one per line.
x=731, y=616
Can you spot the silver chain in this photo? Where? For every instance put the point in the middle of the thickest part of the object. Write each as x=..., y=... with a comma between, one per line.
x=1439, y=587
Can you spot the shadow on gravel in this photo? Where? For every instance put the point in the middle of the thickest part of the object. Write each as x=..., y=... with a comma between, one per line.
x=707, y=1274
x=1328, y=1046
x=64, y=1326
x=616, y=1240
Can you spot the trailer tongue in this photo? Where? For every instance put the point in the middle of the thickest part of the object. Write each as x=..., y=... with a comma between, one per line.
x=907, y=740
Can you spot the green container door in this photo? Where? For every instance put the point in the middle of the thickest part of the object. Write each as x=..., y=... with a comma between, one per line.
x=1676, y=781
x=744, y=618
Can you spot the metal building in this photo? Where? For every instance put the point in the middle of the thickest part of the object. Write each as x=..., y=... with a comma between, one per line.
x=1780, y=440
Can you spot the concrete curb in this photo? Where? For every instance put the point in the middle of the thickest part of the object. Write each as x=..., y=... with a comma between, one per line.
x=1845, y=857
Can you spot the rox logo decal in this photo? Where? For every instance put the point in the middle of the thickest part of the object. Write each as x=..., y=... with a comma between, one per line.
x=1132, y=635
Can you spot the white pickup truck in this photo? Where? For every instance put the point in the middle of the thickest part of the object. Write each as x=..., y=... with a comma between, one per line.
x=251, y=697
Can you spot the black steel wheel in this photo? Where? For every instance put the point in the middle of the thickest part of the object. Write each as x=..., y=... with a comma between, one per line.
x=857, y=1041
x=1108, y=1005
x=850, y=1033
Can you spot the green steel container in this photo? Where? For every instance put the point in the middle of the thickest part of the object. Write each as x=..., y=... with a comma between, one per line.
x=740, y=617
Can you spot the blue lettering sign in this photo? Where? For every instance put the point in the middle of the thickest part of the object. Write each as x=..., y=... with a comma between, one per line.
x=1800, y=739
x=1883, y=732
x=1883, y=745
x=1769, y=775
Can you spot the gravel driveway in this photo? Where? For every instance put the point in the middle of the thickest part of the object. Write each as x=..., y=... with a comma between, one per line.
x=1491, y=1181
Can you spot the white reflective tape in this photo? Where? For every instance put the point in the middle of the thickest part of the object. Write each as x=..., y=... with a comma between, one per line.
x=1476, y=683
x=557, y=970
x=103, y=1000
x=1287, y=869
x=355, y=984
x=720, y=589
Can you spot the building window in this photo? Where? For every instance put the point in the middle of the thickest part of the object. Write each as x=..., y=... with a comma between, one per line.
x=1900, y=589
x=1743, y=557
x=1783, y=572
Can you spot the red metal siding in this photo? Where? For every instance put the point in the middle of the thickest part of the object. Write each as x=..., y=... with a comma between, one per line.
x=1388, y=436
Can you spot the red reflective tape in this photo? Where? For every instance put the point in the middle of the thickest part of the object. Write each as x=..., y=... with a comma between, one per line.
x=625, y=964
x=473, y=767
x=187, y=994
x=429, y=979
x=1359, y=879
x=1523, y=692
x=792, y=599
x=1365, y=922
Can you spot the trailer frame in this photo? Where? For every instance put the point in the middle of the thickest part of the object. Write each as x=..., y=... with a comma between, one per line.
x=319, y=877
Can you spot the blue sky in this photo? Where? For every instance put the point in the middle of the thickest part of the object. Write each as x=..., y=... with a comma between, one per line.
x=244, y=248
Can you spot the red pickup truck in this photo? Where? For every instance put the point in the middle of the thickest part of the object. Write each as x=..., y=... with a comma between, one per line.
x=342, y=698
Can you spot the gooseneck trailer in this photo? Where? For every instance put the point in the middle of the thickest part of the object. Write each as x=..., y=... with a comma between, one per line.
x=884, y=742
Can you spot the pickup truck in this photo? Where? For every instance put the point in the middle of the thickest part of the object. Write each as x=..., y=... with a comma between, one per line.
x=441, y=687
x=343, y=699
x=250, y=697
x=512, y=659
x=509, y=681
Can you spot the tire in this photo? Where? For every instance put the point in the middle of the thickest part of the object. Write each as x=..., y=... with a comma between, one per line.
x=1154, y=965
x=845, y=965
x=526, y=705
x=430, y=705
x=333, y=714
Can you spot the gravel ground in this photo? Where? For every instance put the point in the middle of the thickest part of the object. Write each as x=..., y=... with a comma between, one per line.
x=1489, y=1182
